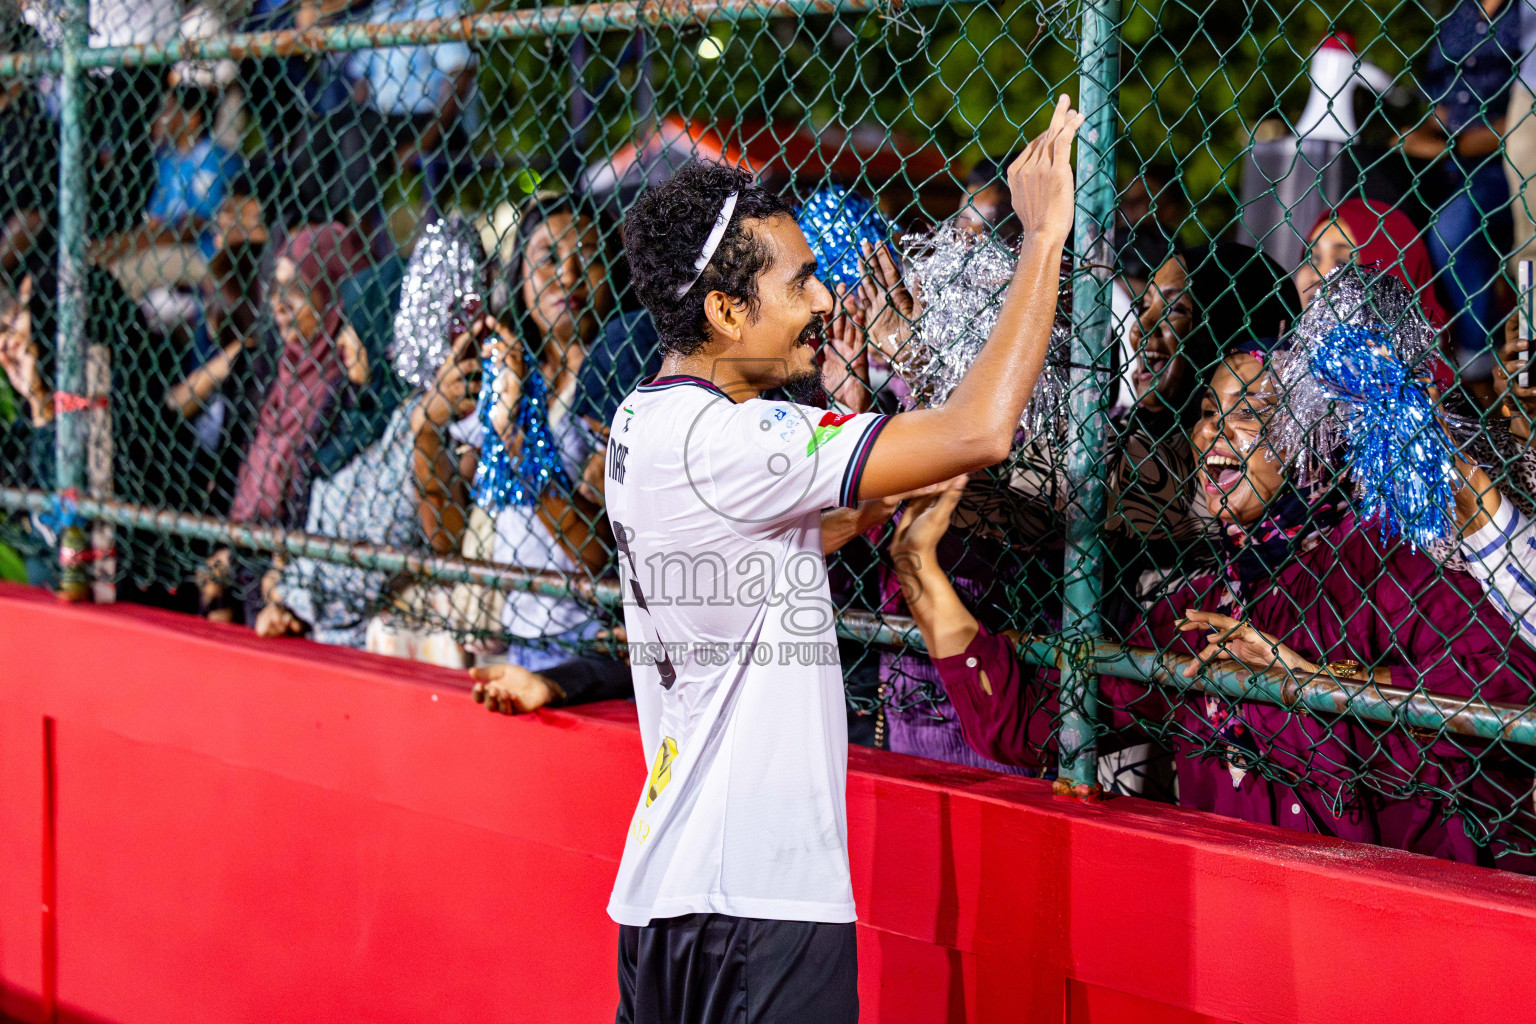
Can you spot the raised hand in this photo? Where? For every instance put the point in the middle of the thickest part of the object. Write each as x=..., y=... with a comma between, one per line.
x=927, y=517
x=1513, y=357
x=887, y=305
x=1040, y=179
x=506, y=353
x=453, y=393
x=20, y=358
x=845, y=364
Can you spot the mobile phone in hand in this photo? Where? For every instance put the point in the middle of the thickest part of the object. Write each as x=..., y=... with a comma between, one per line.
x=1527, y=313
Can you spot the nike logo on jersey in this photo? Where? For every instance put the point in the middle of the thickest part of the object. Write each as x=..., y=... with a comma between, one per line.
x=621, y=536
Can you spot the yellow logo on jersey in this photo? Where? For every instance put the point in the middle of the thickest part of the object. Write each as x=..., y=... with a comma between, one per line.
x=661, y=771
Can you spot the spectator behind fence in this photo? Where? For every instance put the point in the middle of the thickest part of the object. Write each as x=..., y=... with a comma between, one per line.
x=1198, y=304
x=1199, y=301
x=193, y=175
x=1497, y=540
x=623, y=356
x=229, y=353
x=120, y=104
x=421, y=98
x=29, y=161
x=320, y=358
x=1519, y=139
x=1471, y=65
x=138, y=439
x=1142, y=240
x=1371, y=234
x=1301, y=583
x=985, y=207
x=317, y=165
x=560, y=297
x=373, y=497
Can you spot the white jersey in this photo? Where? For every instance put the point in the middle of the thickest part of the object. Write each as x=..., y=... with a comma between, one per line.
x=716, y=508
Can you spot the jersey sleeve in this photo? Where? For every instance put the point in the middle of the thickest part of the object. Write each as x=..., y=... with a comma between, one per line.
x=1502, y=557
x=765, y=463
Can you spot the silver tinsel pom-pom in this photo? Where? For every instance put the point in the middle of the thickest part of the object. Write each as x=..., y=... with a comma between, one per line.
x=1310, y=426
x=443, y=293
x=959, y=279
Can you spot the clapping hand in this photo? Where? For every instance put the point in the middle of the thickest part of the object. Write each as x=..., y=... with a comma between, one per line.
x=845, y=364
x=886, y=304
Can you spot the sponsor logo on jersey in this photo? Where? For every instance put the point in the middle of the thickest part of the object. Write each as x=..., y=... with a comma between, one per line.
x=830, y=426
x=661, y=771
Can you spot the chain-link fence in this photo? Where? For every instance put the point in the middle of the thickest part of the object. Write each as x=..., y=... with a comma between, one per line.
x=247, y=251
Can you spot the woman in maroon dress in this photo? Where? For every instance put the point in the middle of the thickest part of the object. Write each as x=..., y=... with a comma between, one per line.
x=1301, y=585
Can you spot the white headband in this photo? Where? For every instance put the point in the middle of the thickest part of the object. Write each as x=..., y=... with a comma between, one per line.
x=716, y=235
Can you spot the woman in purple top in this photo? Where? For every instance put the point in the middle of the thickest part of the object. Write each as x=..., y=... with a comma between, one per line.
x=1301, y=585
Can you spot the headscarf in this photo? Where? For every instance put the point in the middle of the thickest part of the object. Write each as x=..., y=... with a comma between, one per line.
x=1293, y=522
x=1238, y=294
x=310, y=373
x=1388, y=239
x=369, y=298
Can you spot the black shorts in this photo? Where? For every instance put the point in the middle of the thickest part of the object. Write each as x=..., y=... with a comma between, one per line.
x=704, y=968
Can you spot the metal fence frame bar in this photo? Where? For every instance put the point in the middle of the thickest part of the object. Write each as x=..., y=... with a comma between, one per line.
x=883, y=630
x=1321, y=694
x=523, y=24
x=1098, y=58
x=70, y=434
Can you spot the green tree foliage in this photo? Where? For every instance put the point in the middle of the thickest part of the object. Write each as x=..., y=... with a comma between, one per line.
x=974, y=80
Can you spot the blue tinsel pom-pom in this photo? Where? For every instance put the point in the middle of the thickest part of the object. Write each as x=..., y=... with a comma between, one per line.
x=835, y=222
x=1399, y=454
x=498, y=482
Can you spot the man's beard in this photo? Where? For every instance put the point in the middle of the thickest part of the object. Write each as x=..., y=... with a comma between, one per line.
x=806, y=387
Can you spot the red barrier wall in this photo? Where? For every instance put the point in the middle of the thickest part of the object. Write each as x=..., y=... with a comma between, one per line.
x=259, y=831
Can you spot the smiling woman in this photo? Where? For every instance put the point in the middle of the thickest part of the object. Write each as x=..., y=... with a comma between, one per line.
x=1301, y=585
x=1240, y=473
x=1371, y=234
x=1200, y=303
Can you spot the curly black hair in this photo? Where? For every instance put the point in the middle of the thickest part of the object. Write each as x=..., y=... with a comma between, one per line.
x=664, y=233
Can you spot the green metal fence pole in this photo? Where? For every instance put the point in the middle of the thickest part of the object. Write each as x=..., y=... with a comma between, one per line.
x=70, y=417
x=1098, y=72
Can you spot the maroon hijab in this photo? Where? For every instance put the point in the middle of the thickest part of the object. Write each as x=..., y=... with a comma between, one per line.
x=1388, y=238
x=309, y=374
